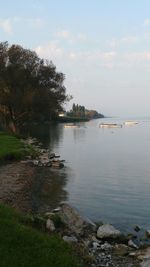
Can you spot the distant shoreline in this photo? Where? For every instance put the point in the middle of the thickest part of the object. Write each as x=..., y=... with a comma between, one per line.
x=76, y=119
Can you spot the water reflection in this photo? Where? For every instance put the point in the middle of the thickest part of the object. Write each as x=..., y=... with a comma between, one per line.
x=49, y=135
x=108, y=174
x=38, y=131
x=56, y=132
x=48, y=189
x=79, y=134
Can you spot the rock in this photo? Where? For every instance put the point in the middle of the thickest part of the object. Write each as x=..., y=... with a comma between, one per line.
x=57, y=164
x=94, y=239
x=40, y=164
x=51, y=155
x=107, y=231
x=50, y=225
x=24, y=161
x=74, y=220
x=137, y=228
x=144, y=256
x=131, y=236
x=35, y=162
x=95, y=245
x=48, y=164
x=121, y=250
x=106, y=246
x=132, y=254
x=132, y=244
x=56, y=210
x=147, y=232
x=70, y=239
x=87, y=243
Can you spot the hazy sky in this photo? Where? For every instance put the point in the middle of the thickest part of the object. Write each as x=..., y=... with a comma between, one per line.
x=102, y=46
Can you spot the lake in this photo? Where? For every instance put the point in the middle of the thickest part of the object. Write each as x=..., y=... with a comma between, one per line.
x=106, y=174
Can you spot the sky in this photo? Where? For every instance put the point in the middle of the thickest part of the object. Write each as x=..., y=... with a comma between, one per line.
x=102, y=47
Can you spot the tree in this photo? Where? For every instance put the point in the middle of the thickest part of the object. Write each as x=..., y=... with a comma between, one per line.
x=30, y=87
x=74, y=108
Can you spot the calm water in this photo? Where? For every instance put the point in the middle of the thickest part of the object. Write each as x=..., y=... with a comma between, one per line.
x=107, y=173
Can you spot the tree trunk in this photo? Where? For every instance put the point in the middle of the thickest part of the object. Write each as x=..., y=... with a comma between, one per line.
x=12, y=127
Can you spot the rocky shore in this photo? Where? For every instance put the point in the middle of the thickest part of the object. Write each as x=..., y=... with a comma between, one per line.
x=98, y=245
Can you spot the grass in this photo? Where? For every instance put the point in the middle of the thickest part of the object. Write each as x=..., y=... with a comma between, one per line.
x=23, y=246
x=11, y=147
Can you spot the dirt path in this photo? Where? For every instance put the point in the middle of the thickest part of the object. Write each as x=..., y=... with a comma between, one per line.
x=16, y=180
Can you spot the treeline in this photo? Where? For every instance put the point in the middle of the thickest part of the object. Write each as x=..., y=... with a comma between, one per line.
x=30, y=87
x=79, y=111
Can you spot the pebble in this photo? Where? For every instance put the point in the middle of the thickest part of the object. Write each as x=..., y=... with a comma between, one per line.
x=50, y=225
x=132, y=244
x=70, y=239
x=95, y=245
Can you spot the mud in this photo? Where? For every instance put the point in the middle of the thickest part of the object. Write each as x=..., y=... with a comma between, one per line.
x=16, y=181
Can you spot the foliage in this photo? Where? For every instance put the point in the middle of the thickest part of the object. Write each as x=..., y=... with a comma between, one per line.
x=77, y=111
x=30, y=88
x=81, y=112
x=23, y=246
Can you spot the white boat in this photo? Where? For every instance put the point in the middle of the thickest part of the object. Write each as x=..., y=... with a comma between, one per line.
x=130, y=123
x=110, y=125
x=71, y=126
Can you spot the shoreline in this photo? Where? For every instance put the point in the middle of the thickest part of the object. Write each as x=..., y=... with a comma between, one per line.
x=15, y=185
x=16, y=182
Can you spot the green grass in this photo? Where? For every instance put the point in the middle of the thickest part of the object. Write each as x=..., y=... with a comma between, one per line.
x=23, y=246
x=11, y=147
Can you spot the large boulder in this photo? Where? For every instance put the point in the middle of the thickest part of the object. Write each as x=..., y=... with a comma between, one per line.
x=107, y=231
x=74, y=220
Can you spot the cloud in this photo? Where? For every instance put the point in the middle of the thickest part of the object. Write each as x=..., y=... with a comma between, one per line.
x=82, y=37
x=139, y=57
x=53, y=49
x=147, y=22
x=63, y=34
x=93, y=56
x=70, y=37
x=73, y=56
x=34, y=22
x=108, y=65
x=129, y=39
x=49, y=51
x=124, y=40
x=6, y=26
x=108, y=55
x=92, y=59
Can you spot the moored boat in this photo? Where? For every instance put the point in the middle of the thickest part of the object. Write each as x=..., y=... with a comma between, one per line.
x=130, y=122
x=71, y=126
x=110, y=125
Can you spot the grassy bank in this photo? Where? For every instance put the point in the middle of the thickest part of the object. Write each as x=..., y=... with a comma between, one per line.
x=23, y=246
x=12, y=147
